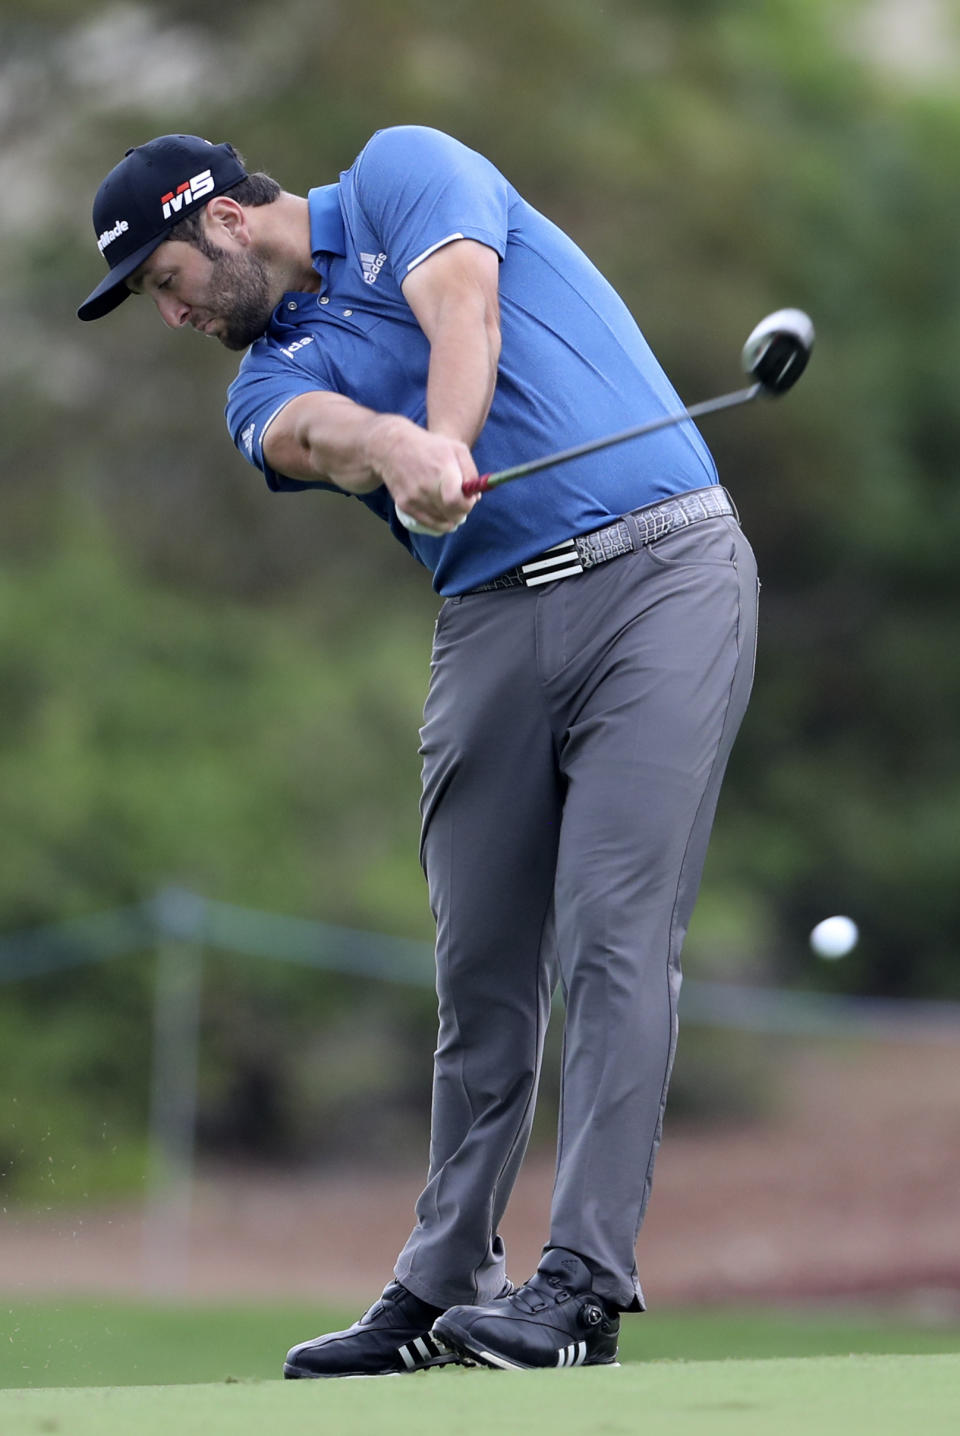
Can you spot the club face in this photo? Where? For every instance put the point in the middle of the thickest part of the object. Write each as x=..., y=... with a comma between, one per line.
x=778, y=350
x=780, y=364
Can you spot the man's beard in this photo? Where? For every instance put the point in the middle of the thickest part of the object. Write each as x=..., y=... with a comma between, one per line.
x=240, y=298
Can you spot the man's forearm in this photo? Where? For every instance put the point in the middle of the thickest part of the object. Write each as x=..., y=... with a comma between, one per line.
x=454, y=296
x=327, y=436
x=464, y=353
x=324, y=436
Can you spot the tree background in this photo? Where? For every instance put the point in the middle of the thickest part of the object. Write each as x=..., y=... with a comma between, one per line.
x=206, y=684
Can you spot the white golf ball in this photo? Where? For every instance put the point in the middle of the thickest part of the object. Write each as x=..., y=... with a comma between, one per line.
x=834, y=937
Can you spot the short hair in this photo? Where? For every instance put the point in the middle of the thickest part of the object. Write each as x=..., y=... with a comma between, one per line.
x=257, y=189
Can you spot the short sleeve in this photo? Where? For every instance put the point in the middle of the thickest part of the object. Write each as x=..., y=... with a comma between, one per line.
x=261, y=390
x=420, y=189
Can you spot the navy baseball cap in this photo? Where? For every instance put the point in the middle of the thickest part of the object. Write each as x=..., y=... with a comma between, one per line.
x=153, y=188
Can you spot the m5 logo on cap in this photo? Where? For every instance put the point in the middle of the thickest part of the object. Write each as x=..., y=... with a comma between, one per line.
x=186, y=193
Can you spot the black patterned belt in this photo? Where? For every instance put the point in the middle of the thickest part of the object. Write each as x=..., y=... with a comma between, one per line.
x=634, y=531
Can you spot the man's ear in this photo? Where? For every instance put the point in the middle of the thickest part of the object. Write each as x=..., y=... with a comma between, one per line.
x=224, y=218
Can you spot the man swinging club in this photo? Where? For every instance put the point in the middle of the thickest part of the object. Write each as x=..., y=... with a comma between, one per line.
x=592, y=662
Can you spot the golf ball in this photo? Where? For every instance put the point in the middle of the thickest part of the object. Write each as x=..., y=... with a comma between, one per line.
x=834, y=937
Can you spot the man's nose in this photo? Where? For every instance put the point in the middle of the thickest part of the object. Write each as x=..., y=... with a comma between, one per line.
x=173, y=311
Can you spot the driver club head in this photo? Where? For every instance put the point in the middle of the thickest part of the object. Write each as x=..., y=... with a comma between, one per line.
x=777, y=351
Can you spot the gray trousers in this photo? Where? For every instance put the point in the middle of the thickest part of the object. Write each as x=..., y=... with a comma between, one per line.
x=574, y=742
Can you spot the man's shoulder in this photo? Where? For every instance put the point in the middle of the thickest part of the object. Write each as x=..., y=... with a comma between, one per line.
x=393, y=137
x=418, y=147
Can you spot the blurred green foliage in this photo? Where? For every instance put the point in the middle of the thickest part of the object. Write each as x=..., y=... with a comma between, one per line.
x=204, y=683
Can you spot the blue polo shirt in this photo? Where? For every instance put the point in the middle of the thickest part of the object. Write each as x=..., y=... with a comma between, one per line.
x=574, y=365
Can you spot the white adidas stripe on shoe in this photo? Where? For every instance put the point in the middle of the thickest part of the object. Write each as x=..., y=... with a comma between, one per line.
x=424, y=1351
x=573, y=1355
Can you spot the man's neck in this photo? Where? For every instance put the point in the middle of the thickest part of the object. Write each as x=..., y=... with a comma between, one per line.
x=282, y=235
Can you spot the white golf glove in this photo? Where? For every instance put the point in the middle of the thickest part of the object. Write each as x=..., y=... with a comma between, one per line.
x=418, y=528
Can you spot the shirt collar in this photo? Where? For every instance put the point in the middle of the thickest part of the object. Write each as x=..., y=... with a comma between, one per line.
x=326, y=223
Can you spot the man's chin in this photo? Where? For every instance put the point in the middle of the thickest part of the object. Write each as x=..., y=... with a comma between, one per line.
x=237, y=339
x=233, y=342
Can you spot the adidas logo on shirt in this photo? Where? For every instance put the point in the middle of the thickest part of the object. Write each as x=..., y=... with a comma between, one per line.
x=371, y=265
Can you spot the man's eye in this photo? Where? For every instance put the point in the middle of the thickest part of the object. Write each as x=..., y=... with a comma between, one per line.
x=164, y=283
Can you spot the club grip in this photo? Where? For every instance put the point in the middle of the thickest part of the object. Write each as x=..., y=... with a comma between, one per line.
x=479, y=485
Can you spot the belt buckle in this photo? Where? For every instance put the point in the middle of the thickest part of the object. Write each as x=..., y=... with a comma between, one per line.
x=560, y=561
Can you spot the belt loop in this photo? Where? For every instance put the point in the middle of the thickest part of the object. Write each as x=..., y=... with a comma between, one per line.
x=650, y=523
x=636, y=533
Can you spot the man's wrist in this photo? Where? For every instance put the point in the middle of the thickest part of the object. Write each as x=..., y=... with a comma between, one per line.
x=382, y=436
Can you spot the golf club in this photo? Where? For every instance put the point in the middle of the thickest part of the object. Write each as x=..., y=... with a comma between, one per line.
x=775, y=355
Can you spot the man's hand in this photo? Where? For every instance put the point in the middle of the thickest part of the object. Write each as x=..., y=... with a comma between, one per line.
x=424, y=473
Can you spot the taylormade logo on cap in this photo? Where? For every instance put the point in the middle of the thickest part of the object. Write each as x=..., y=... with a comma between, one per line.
x=109, y=235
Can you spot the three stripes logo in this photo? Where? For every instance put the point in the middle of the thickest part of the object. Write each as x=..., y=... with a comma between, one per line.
x=561, y=561
x=371, y=264
x=423, y=1351
x=573, y=1355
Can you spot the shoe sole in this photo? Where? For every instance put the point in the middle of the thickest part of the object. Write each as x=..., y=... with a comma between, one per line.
x=471, y=1355
x=296, y=1373
x=293, y=1373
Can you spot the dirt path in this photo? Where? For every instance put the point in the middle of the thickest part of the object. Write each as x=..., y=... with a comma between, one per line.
x=854, y=1192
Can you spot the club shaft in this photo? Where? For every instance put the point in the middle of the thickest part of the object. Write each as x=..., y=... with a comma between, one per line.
x=483, y=482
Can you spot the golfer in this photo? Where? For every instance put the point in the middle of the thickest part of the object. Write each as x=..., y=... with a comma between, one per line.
x=404, y=326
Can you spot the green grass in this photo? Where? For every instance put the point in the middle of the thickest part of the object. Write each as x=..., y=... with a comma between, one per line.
x=73, y=1343
x=828, y=1396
